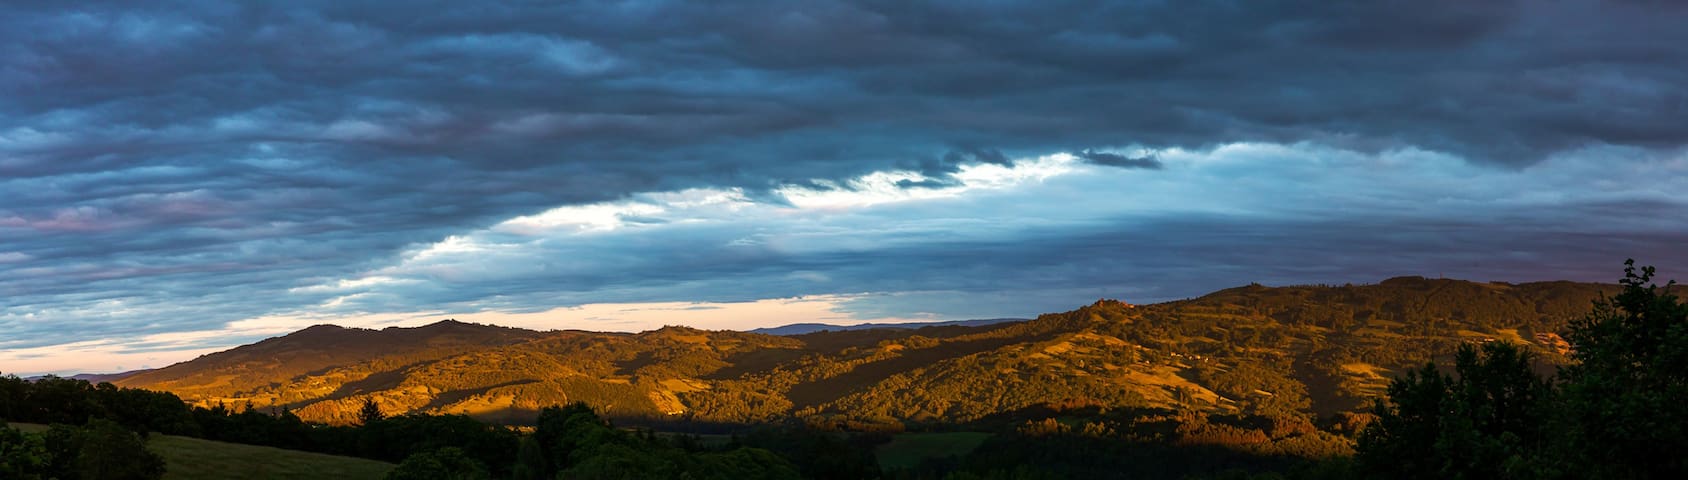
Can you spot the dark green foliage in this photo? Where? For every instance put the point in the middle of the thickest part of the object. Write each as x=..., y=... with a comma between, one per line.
x=22, y=456
x=1616, y=412
x=1145, y=443
x=447, y=463
x=62, y=400
x=618, y=461
x=530, y=461
x=63, y=443
x=110, y=452
x=397, y=438
x=283, y=430
x=745, y=463
x=101, y=450
x=578, y=444
x=13, y=391
x=390, y=439
x=822, y=455
x=1483, y=422
x=563, y=431
x=59, y=400
x=1077, y=456
x=1625, y=415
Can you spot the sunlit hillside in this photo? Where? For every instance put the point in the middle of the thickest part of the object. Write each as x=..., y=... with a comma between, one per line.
x=1254, y=349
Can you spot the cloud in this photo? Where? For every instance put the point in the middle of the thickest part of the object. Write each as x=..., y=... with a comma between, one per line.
x=1121, y=161
x=176, y=166
x=999, y=240
x=1005, y=238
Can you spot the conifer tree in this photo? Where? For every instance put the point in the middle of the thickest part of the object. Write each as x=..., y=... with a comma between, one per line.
x=370, y=413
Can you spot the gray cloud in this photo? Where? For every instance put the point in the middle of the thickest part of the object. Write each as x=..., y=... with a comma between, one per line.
x=1121, y=161
x=206, y=158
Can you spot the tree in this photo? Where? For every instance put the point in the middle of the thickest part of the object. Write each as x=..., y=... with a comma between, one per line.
x=1623, y=411
x=616, y=461
x=22, y=456
x=745, y=463
x=1483, y=422
x=13, y=394
x=109, y=451
x=530, y=460
x=447, y=463
x=370, y=413
x=565, y=433
x=63, y=442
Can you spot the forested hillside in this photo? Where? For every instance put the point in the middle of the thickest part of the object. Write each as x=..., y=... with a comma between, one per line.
x=362, y=353
x=1250, y=350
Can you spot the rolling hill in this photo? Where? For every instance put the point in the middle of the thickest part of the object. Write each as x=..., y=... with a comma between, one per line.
x=802, y=328
x=94, y=377
x=355, y=354
x=1252, y=349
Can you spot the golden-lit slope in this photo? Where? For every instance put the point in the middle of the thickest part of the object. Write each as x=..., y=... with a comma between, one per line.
x=232, y=372
x=1311, y=349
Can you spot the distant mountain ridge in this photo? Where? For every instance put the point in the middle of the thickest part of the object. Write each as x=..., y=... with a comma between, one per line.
x=1257, y=349
x=802, y=328
x=321, y=347
x=95, y=377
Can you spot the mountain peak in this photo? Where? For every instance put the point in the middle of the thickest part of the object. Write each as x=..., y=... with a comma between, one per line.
x=1109, y=302
x=319, y=330
x=447, y=323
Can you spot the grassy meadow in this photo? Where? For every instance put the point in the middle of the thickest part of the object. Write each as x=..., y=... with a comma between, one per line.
x=189, y=458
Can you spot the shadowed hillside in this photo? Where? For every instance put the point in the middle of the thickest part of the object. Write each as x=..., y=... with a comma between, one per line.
x=1252, y=350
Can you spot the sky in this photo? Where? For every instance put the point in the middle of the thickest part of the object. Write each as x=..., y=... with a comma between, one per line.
x=180, y=177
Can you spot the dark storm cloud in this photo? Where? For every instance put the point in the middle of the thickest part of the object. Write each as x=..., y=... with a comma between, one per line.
x=1121, y=161
x=210, y=157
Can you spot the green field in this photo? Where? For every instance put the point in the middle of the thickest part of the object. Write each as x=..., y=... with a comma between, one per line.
x=189, y=458
x=908, y=449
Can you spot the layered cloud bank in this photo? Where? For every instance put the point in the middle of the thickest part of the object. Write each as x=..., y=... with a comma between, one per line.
x=179, y=177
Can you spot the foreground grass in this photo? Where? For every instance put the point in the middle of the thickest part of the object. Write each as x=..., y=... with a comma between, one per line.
x=188, y=458
x=192, y=459
x=906, y=450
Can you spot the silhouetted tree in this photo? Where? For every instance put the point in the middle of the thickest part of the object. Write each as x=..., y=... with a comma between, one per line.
x=1624, y=415
x=370, y=413
x=1483, y=422
x=110, y=451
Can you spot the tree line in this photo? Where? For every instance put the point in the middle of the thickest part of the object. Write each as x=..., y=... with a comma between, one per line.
x=98, y=432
